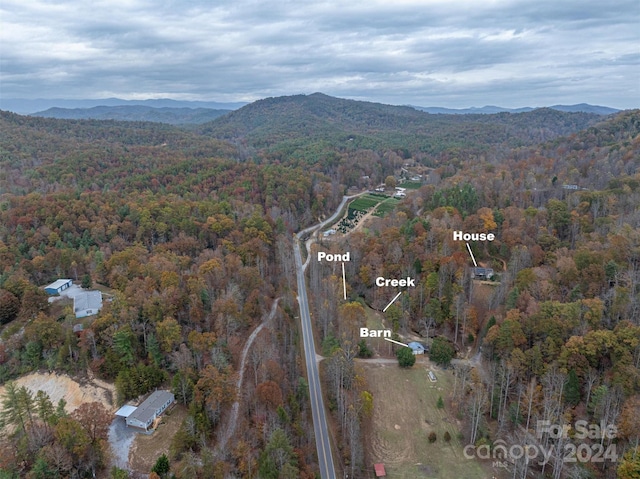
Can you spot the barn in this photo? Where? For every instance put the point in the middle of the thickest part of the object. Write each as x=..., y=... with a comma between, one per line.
x=58, y=286
x=150, y=409
x=417, y=347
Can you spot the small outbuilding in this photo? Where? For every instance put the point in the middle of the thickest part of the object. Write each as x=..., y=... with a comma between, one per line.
x=150, y=409
x=87, y=303
x=379, y=469
x=58, y=286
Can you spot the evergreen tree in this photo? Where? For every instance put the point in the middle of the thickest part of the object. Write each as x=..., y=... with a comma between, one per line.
x=572, y=389
x=86, y=281
x=161, y=466
x=441, y=352
x=406, y=358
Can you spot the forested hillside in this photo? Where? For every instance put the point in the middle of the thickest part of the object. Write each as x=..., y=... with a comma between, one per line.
x=311, y=126
x=557, y=326
x=189, y=233
x=191, y=247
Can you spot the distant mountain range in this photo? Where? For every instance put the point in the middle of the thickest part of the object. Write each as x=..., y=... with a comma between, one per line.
x=29, y=107
x=173, y=116
x=178, y=112
x=489, y=109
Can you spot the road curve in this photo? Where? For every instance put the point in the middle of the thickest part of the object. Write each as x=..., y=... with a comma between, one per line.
x=323, y=444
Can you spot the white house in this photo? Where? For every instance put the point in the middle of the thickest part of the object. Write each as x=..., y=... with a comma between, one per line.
x=87, y=303
x=150, y=409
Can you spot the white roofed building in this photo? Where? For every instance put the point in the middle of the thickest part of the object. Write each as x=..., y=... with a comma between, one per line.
x=87, y=303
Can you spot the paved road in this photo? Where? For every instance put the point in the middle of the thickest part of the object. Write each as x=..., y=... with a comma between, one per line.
x=323, y=444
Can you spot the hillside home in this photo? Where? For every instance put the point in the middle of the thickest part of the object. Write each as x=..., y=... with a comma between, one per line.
x=150, y=409
x=87, y=303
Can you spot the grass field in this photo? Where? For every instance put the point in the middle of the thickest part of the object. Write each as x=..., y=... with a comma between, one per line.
x=146, y=449
x=405, y=412
x=386, y=206
x=365, y=202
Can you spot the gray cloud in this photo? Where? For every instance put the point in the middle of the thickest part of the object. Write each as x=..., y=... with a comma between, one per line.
x=447, y=53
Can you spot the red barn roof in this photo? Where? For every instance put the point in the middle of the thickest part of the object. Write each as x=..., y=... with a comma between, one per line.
x=380, y=472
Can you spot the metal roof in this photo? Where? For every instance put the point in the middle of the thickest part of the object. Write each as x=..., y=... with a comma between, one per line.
x=125, y=411
x=87, y=300
x=416, y=346
x=148, y=408
x=57, y=284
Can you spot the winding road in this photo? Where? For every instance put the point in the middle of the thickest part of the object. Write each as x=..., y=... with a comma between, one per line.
x=323, y=444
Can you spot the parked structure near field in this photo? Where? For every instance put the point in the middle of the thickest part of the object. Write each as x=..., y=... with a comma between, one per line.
x=417, y=347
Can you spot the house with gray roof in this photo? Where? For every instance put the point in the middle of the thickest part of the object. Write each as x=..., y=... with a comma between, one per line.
x=150, y=409
x=87, y=303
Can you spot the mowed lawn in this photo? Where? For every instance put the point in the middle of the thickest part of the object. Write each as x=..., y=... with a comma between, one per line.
x=405, y=412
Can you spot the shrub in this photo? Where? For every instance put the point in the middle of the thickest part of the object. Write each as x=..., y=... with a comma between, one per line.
x=405, y=356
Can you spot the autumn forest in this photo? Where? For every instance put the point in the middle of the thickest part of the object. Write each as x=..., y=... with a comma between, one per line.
x=188, y=231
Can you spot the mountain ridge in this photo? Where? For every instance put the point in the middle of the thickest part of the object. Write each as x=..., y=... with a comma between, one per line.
x=25, y=106
x=36, y=106
x=327, y=122
x=170, y=115
x=490, y=109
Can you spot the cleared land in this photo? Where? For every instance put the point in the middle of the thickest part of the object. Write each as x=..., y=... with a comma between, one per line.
x=405, y=412
x=386, y=206
x=60, y=386
x=147, y=448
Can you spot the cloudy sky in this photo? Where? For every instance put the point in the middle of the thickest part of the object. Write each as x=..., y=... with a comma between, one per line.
x=451, y=53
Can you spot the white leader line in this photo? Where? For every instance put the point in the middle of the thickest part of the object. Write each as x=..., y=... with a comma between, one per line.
x=471, y=253
x=344, y=283
x=392, y=301
x=397, y=342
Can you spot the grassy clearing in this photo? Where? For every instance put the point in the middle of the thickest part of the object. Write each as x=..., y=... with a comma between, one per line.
x=365, y=202
x=146, y=449
x=405, y=413
x=386, y=206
